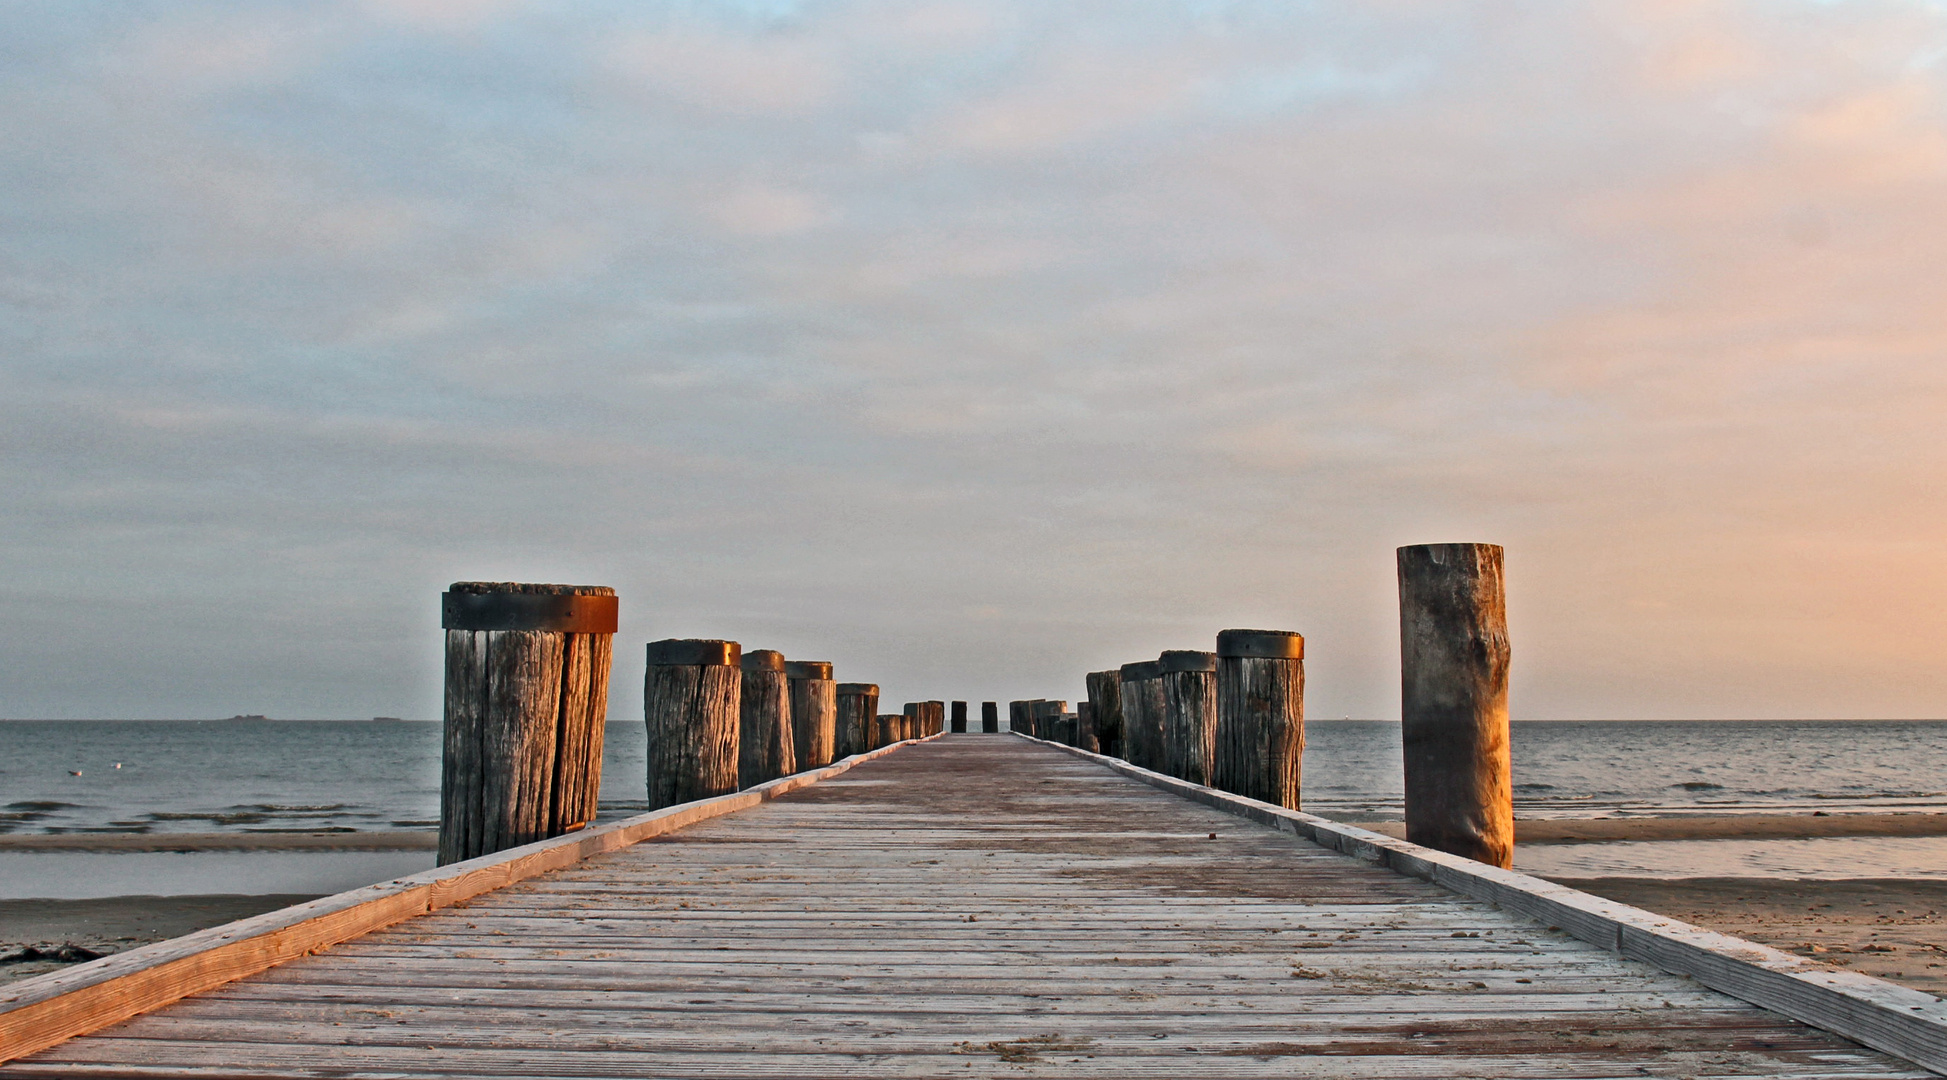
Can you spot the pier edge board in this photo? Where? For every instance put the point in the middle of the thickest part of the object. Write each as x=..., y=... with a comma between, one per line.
x=1873, y=1012
x=50, y=1009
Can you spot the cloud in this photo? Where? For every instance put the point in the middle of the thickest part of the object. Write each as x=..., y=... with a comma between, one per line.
x=976, y=346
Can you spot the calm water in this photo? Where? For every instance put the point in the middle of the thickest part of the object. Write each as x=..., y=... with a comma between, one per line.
x=213, y=776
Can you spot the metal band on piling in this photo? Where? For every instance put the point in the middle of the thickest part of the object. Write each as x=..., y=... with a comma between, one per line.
x=561, y=613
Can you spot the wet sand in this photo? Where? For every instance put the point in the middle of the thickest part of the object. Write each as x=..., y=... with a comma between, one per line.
x=417, y=840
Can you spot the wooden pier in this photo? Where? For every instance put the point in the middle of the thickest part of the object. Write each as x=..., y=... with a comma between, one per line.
x=968, y=907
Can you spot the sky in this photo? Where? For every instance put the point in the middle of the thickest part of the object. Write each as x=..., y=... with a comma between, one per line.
x=973, y=346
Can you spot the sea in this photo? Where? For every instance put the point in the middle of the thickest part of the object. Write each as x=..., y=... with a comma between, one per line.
x=256, y=775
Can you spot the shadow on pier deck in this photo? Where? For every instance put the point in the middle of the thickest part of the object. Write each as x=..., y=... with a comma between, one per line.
x=966, y=907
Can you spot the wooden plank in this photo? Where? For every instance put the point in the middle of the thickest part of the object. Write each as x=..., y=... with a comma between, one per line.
x=1874, y=1012
x=43, y=1011
x=791, y=941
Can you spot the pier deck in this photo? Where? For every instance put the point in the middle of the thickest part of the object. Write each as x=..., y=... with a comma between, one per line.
x=967, y=907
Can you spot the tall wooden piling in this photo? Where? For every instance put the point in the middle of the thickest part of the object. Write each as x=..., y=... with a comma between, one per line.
x=691, y=702
x=1085, y=737
x=959, y=717
x=526, y=702
x=1453, y=637
x=766, y=748
x=1260, y=715
x=814, y=712
x=1105, y=703
x=933, y=717
x=857, y=704
x=886, y=729
x=1190, y=714
x=1017, y=716
x=1142, y=713
x=990, y=718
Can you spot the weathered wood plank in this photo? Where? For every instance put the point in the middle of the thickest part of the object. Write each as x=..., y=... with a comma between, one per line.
x=44, y=1011
x=1879, y=1014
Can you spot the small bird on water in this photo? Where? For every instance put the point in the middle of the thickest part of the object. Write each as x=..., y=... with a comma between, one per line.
x=74, y=772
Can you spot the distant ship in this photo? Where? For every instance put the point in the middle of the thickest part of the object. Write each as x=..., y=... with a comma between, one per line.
x=247, y=716
x=387, y=720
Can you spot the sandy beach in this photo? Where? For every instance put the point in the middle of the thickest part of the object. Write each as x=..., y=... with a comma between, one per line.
x=1705, y=827
x=1890, y=928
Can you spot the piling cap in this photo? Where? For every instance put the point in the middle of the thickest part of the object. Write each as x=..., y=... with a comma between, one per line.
x=676, y=652
x=1261, y=644
x=1137, y=672
x=763, y=660
x=858, y=689
x=513, y=605
x=1050, y=708
x=1187, y=660
x=807, y=669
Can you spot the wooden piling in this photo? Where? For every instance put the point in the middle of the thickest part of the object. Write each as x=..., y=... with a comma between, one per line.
x=814, y=713
x=1085, y=737
x=1454, y=700
x=1260, y=715
x=959, y=717
x=857, y=704
x=527, y=670
x=1046, y=719
x=691, y=702
x=1190, y=714
x=1105, y=703
x=886, y=729
x=766, y=749
x=1142, y=713
x=933, y=716
x=990, y=718
x=1017, y=716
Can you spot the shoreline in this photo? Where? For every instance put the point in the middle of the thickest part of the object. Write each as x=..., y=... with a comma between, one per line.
x=1702, y=827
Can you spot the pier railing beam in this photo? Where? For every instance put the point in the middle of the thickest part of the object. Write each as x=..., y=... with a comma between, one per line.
x=814, y=713
x=1260, y=715
x=691, y=702
x=857, y=705
x=1190, y=713
x=526, y=704
x=1454, y=700
x=766, y=748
